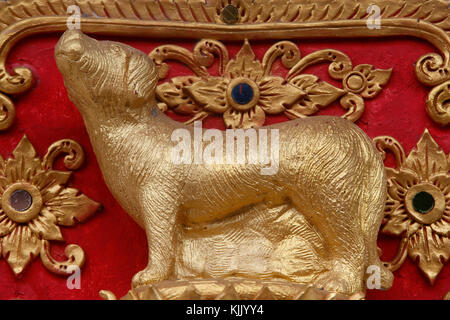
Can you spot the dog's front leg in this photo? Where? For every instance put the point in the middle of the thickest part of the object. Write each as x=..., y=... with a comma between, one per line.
x=159, y=222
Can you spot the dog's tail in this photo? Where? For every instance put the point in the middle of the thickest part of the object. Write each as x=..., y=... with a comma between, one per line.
x=372, y=209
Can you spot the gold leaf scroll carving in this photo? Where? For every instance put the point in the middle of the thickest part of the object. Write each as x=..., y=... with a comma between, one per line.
x=297, y=95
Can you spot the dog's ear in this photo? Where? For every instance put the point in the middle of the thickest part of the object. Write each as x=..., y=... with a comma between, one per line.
x=142, y=79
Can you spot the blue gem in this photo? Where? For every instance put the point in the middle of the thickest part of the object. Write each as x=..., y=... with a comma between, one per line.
x=242, y=93
x=423, y=202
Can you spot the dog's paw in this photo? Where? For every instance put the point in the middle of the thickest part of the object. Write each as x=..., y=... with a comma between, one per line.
x=146, y=277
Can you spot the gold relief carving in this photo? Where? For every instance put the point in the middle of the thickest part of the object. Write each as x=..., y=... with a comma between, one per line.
x=418, y=204
x=35, y=201
x=197, y=19
x=314, y=220
x=245, y=90
x=447, y=296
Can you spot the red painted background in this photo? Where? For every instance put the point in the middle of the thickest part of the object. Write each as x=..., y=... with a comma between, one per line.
x=115, y=246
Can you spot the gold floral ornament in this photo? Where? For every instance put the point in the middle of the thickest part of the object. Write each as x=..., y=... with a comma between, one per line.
x=35, y=200
x=246, y=90
x=418, y=204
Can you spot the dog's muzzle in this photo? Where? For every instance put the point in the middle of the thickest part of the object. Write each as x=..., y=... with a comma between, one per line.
x=70, y=46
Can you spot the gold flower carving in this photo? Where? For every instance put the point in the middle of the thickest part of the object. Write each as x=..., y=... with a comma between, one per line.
x=35, y=201
x=418, y=204
x=246, y=90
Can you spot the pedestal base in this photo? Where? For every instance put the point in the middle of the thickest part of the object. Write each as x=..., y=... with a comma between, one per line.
x=229, y=289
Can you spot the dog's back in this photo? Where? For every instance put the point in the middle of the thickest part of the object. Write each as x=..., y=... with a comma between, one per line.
x=329, y=184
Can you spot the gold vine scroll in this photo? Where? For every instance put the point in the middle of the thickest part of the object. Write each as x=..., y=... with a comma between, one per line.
x=197, y=19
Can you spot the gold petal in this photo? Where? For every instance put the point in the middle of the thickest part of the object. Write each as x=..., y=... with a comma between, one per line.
x=244, y=65
x=172, y=93
x=275, y=95
x=69, y=207
x=44, y=225
x=428, y=159
x=391, y=172
x=4, y=183
x=243, y=120
x=399, y=185
x=442, y=226
x=24, y=149
x=375, y=79
x=22, y=169
x=50, y=182
x=209, y=94
x=25, y=163
x=301, y=110
x=12, y=173
x=413, y=227
x=430, y=251
x=442, y=181
x=319, y=94
x=397, y=221
x=20, y=247
x=6, y=224
x=391, y=205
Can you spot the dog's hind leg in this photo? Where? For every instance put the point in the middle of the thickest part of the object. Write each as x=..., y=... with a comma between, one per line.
x=345, y=246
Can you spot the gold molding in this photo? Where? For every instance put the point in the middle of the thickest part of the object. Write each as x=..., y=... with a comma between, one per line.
x=200, y=19
x=418, y=204
x=35, y=201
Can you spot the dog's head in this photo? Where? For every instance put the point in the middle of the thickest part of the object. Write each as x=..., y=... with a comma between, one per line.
x=104, y=77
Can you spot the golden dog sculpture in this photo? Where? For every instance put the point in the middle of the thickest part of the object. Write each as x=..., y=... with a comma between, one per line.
x=314, y=221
